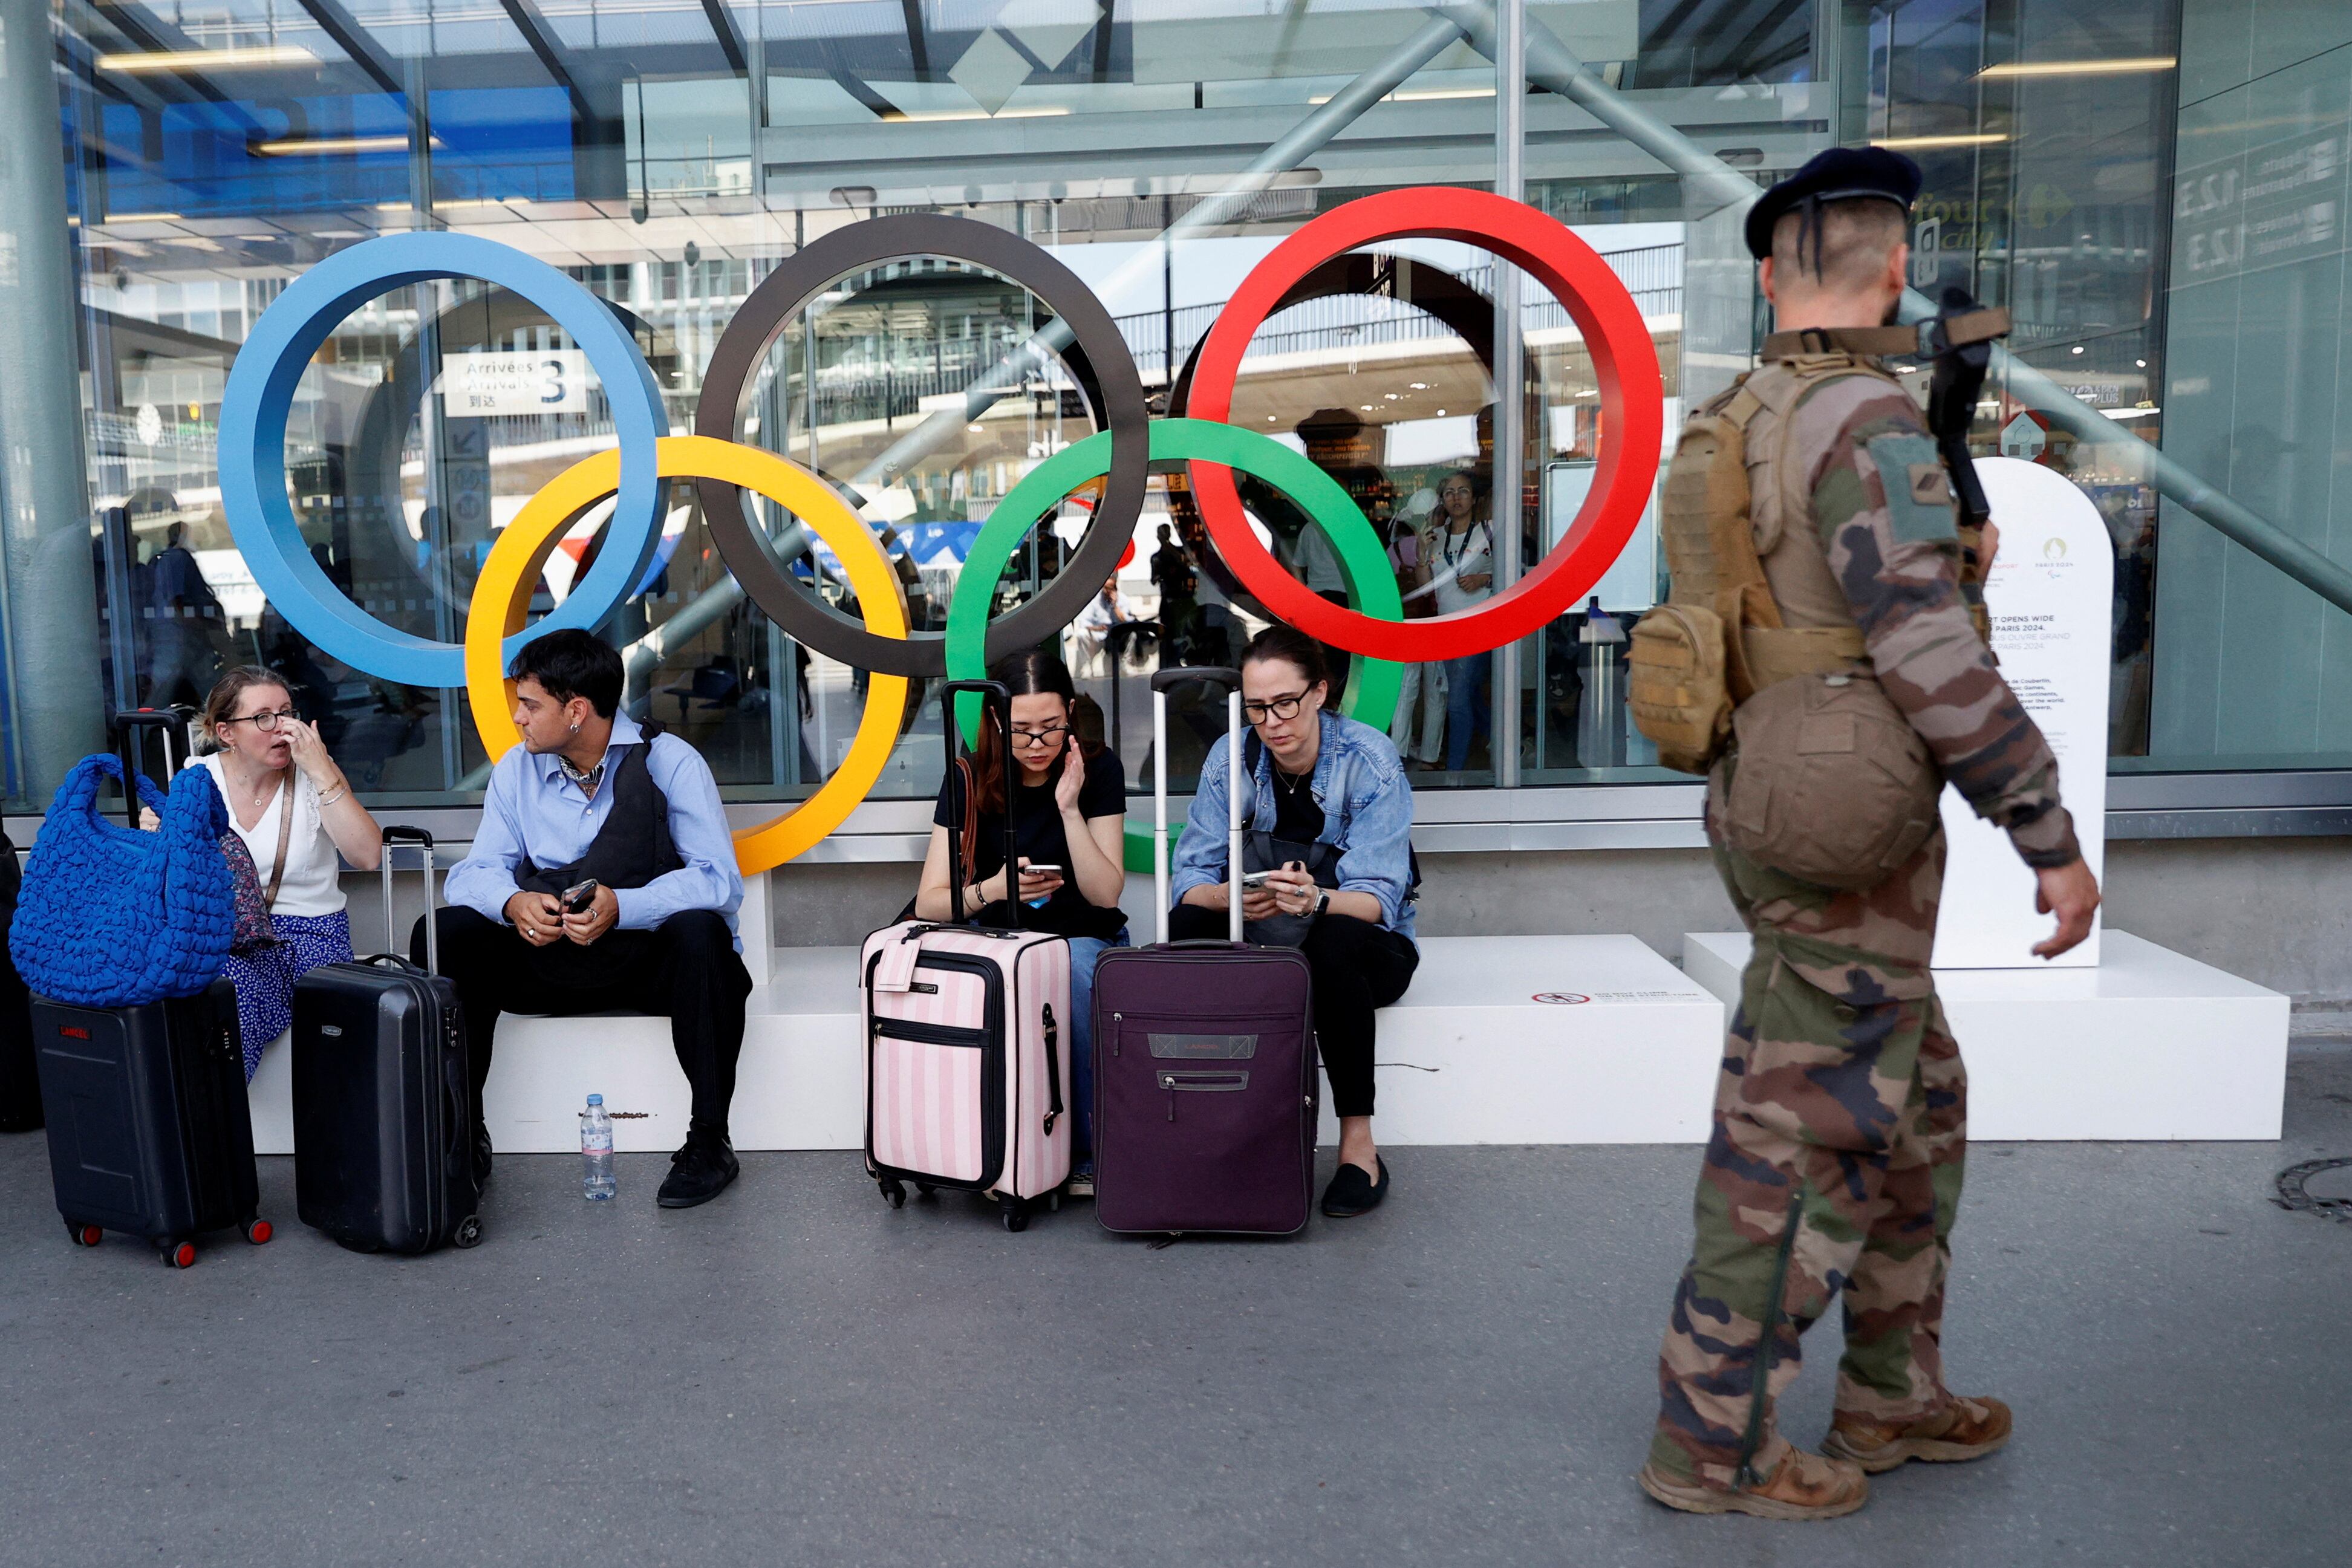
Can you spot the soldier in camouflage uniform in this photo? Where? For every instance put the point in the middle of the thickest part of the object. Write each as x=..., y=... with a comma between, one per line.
x=1840, y=1116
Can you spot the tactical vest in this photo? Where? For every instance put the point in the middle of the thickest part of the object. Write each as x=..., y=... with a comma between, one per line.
x=1753, y=602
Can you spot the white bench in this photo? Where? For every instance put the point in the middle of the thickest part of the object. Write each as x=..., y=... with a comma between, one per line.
x=2150, y=1044
x=609, y=1045
x=1501, y=1040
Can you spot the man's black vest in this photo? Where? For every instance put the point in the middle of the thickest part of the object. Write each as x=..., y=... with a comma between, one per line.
x=633, y=845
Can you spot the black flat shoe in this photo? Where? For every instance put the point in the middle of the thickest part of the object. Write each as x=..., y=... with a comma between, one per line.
x=698, y=1172
x=1353, y=1192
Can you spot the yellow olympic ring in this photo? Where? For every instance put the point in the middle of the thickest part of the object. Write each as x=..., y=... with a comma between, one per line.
x=513, y=567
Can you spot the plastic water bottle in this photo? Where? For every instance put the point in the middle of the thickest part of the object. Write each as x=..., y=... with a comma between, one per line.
x=596, y=1150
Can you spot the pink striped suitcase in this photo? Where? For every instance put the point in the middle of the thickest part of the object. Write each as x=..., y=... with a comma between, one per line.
x=967, y=1052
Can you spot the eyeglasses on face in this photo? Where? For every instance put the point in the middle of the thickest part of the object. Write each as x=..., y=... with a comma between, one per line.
x=1045, y=737
x=265, y=720
x=1281, y=708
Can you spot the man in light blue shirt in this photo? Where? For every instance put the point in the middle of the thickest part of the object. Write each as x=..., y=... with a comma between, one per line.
x=603, y=879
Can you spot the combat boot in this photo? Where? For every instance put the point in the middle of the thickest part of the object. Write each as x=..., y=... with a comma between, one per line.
x=1963, y=1429
x=1804, y=1486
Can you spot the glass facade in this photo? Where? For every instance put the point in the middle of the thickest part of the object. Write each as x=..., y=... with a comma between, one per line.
x=2157, y=193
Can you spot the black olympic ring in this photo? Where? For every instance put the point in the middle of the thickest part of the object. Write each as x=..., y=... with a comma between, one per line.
x=1099, y=348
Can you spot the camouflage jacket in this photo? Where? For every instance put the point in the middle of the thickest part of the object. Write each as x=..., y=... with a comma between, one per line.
x=1859, y=460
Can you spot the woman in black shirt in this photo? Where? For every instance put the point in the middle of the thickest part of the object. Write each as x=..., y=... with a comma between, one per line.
x=1068, y=802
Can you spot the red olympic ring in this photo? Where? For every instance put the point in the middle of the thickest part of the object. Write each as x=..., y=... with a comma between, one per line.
x=1632, y=410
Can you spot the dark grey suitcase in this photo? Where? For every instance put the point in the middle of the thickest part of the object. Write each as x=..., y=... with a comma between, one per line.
x=384, y=1123
x=20, y=1078
x=148, y=1128
x=1205, y=1082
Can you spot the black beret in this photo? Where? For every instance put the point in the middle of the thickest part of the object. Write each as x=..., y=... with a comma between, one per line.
x=1840, y=174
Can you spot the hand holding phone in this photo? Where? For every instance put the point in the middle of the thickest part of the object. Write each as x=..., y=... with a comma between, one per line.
x=1038, y=881
x=579, y=896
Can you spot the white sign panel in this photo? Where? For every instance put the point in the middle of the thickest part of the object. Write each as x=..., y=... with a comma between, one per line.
x=499, y=382
x=2050, y=594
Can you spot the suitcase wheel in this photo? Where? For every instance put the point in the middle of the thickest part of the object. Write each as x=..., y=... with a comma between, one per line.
x=84, y=1234
x=258, y=1231
x=894, y=1191
x=176, y=1254
x=468, y=1233
x=1015, y=1212
x=925, y=1189
x=1053, y=1201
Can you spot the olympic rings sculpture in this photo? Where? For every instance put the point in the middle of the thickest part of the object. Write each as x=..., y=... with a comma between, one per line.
x=263, y=381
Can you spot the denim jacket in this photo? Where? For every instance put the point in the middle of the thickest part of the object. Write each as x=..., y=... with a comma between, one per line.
x=1358, y=782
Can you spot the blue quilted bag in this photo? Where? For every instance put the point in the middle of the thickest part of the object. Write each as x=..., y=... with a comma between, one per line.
x=111, y=917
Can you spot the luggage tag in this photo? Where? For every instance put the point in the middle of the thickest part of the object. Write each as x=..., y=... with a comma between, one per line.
x=895, y=969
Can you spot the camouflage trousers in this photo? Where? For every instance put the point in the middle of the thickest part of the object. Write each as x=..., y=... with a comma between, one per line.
x=1834, y=1170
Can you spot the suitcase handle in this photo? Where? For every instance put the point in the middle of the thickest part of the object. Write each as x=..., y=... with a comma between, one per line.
x=1053, y=1070
x=1215, y=675
x=401, y=833
x=172, y=721
x=994, y=695
x=1230, y=679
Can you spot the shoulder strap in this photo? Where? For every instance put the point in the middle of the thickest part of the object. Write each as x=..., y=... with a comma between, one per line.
x=970, y=845
x=285, y=838
x=1923, y=339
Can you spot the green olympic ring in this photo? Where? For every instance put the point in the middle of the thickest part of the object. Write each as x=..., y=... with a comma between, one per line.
x=1372, y=683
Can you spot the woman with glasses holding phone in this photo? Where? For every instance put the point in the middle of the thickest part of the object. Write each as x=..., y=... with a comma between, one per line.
x=1329, y=841
x=1067, y=799
x=294, y=810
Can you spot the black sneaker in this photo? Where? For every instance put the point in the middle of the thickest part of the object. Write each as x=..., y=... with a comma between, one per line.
x=698, y=1172
x=1353, y=1192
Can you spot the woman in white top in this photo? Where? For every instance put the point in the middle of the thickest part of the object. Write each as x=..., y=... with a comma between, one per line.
x=1457, y=554
x=293, y=807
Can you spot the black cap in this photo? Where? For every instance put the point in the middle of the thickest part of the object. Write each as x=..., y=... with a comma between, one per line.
x=1840, y=174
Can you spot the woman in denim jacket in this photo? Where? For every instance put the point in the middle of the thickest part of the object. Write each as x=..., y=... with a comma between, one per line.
x=1319, y=778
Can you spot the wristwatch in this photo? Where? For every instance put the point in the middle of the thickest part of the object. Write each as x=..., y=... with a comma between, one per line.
x=1322, y=902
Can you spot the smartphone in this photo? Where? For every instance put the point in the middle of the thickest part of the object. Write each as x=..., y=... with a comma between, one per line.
x=1032, y=869
x=1257, y=878
x=576, y=898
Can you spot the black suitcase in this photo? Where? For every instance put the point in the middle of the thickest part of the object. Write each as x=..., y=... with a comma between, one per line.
x=20, y=1083
x=20, y=1080
x=383, y=1127
x=149, y=1129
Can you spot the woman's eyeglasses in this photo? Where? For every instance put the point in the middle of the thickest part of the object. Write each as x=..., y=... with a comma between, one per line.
x=269, y=721
x=1273, y=708
x=1045, y=737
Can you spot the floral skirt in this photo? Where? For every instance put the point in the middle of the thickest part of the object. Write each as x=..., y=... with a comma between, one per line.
x=265, y=982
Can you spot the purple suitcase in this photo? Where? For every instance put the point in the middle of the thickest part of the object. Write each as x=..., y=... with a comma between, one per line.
x=1204, y=1059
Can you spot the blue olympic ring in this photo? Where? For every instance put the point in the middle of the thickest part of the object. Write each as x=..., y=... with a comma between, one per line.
x=260, y=393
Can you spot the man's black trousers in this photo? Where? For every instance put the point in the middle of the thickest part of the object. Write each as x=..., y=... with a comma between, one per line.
x=686, y=969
